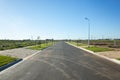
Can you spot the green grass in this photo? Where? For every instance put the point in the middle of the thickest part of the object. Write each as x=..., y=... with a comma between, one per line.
x=98, y=49
x=118, y=58
x=92, y=48
x=74, y=43
x=6, y=59
x=11, y=44
x=81, y=44
x=40, y=47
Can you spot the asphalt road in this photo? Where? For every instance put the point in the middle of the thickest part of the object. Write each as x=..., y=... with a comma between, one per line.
x=63, y=62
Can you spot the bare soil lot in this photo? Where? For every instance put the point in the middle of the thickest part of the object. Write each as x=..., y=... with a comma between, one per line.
x=111, y=54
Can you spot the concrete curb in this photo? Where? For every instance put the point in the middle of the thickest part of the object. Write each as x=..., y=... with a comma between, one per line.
x=31, y=55
x=112, y=60
x=10, y=64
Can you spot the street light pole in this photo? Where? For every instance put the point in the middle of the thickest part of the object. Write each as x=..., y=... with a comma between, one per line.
x=88, y=30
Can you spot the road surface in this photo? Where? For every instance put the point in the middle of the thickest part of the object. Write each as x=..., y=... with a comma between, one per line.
x=63, y=62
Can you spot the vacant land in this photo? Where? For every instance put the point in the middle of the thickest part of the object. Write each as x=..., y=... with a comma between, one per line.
x=26, y=51
x=101, y=42
x=110, y=54
x=6, y=59
x=18, y=52
x=92, y=47
x=11, y=44
x=41, y=46
x=108, y=48
x=78, y=44
x=98, y=49
x=22, y=49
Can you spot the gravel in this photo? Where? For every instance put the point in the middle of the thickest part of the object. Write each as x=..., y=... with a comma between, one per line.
x=18, y=52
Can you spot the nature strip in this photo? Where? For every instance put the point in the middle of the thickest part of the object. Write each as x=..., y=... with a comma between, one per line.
x=10, y=64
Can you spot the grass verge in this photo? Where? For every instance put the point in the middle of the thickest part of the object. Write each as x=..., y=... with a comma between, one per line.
x=118, y=58
x=78, y=44
x=92, y=48
x=6, y=59
x=98, y=49
x=42, y=46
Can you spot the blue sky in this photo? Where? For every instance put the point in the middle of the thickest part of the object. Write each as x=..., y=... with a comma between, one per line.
x=59, y=19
